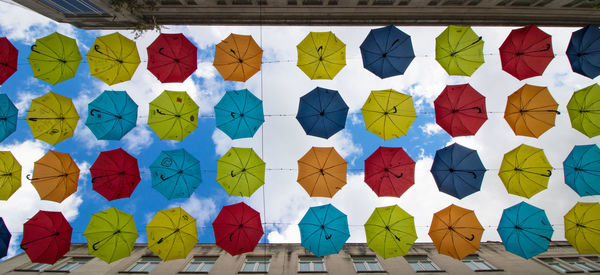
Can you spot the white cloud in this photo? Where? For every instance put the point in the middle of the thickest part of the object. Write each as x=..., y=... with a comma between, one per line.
x=203, y=209
x=23, y=24
x=138, y=139
x=431, y=128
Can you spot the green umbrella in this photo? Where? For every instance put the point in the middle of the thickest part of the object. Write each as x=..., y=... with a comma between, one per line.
x=111, y=235
x=54, y=58
x=584, y=110
x=173, y=115
x=459, y=50
x=240, y=171
x=390, y=231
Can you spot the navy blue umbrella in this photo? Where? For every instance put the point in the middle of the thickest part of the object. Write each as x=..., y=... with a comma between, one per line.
x=457, y=170
x=387, y=51
x=584, y=51
x=322, y=112
x=4, y=238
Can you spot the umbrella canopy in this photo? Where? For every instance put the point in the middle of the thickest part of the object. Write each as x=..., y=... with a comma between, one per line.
x=321, y=55
x=238, y=57
x=455, y=231
x=111, y=235
x=113, y=58
x=46, y=237
x=582, y=227
x=52, y=118
x=584, y=110
x=388, y=113
x=322, y=112
x=390, y=231
x=8, y=59
x=459, y=50
x=584, y=51
x=8, y=117
x=237, y=228
x=175, y=174
x=531, y=111
x=324, y=230
x=54, y=58
x=239, y=114
x=172, y=57
x=4, y=238
x=525, y=230
x=460, y=110
x=55, y=176
x=457, y=170
x=10, y=175
x=172, y=234
x=526, y=52
x=582, y=170
x=111, y=115
x=173, y=115
x=240, y=172
x=322, y=172
x=387, y=51
x=115, y=174
x=525, y=171
x=389, y=171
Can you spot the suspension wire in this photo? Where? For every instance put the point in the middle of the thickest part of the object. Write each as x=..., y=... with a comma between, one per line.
x=262, y=138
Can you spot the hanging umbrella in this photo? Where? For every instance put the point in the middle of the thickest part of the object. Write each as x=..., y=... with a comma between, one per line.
x=322, y=172
x=582, y=170
x=387, y=51
x=390, y=231
x=175, y=174
x=113, y=58
x=172, y=234
x=172, y=57
x=321, y=55
x=10, y=175
x=111, y=115
x=459, y=50
x=457, y=170
x=455, y=231
x=324, y=230
x=526, y=52
x=8, y=59
x=55, y=176
x=54, y=58
x=388, y=113
x=584, y=51
x=46, y=237
x=240, y=172
x=389, y=171
x=173, y=115
x=52, y=118
x=531, y=111
x=4, y=238
x=584, y=110
x=525, y=230
x=525, y=171
x=111, y=235
x=238, y=57
x=115, y=174
x=237, y=228
x=582, y=227
x=322, y=112
x=239, y=114
x=460, y=110
x=8, y=117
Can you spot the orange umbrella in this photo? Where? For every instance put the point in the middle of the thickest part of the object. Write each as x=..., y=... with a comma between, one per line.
x=531, y=111
x=322, y=172
x=238, y=57
x=455, y=231
x=55, y=176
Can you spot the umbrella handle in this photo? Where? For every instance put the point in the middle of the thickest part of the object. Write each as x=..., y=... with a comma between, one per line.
x=233, y=175
x=549, y=173
x=161, y=53
x=470, y=239
x=28, y=176
x=328, y=237
x=232, y=114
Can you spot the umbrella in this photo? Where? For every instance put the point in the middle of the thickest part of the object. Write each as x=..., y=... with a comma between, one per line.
x=582, y=170
x=55, y=176
x=10, y=175
x=52, y=118
x=321, y=55
x=8, y=117
x=460, y=110
x=175, y=174
x=46, y=237
x=8, y=59
x=525, y=230
x=389, y=171
x=324, y=230
x=531, y=111
x=584, y=110
x=240, y=172
x=54, y=58
x=111, y=115
x=582, y=227
x=239, y=114
x=457, y=170
x=322, y=172
x=113, y=58
x=390, y=231
x=237, y=228
x=115, y=174
x=322, y=112
x=388, y=113
x=4, y=238
x=455, y=231
x=459, y=50
x=238, y=57
x=584, y=51
x=526, y=52
x=111, y=235
x=172, y=234
x=525, y=171
x=173, y=115
x=387, y=51
x=172, y=57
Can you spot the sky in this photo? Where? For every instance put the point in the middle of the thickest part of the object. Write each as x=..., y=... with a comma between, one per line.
x=281, y=141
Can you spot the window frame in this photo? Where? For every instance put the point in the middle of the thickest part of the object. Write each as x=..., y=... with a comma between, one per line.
x=311, y=259
x=256, y=261
x=365, y=259
x=141, y=259
x=478, y=259
x=557, y=261
x=590, y=265
x=203, y=260
x=418, y=261
x=59, y=267
x=29, y=267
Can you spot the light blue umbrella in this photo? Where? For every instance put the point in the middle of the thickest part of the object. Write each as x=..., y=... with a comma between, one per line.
x=8, y=117
x=239, y=114
x=175, y=174
x=582, y=170
x=111, y=115
x=525, y=230
x=324, y=230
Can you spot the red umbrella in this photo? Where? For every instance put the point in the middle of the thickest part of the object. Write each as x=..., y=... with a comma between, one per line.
x=526, y=52
x=389, y=171
x=115, y=174
x=172, y=57
x=46, y=237
x=237, y=228
x=8, y=59
x=460, y=110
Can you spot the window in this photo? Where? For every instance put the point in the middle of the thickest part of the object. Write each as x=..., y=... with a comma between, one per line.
x=72, y=264
x=311, y=264
x=421, y=263
x=145, y=264
x=583, y=263
x=256, y=264
x=366, y=263
x=477, y=264
x=558, y=265
x=201, y=264
x=35, y=267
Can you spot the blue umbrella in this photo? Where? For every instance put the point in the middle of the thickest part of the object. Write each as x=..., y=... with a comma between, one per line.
x=322, y=112
x=525, y=230
x=4, y=238
x=239, y=114
x=584, y=51
x=8, y=117
x=387, y=51
x=175, y=174
x=111, y=115
x=457, y=170
x=582, y=170
x=324, y=230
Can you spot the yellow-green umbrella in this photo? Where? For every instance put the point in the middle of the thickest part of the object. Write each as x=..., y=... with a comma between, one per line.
x=582, y=227
x=388, y=113
x=173, y=115
x=52, y=118
x=10, y=175
x=459, y=50
x=584, y=110
x=172, y=234
x=240, y=172
x=390, y=231
x=113, y=58
x=54, y=58
x=111, y=235
x=525, y=171
x=321, y=55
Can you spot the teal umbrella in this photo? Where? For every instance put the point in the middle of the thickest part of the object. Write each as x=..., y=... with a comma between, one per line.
x=525, y=230
x=175, y=174
x=239, y=114
x=8, y=117
x=324, y=230
x=582, y=170
x=111, y=115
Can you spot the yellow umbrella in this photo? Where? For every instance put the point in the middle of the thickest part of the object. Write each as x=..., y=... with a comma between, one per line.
x=113, y=58
x=321, y=55
x=388, y=113
x=525, y=171
x=52, y=118
x=582, y=227
x=172, y=234
x=10, y=175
